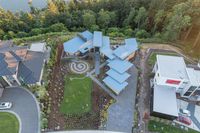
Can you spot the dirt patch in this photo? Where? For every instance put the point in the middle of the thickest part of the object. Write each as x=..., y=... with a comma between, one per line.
x=58, y=121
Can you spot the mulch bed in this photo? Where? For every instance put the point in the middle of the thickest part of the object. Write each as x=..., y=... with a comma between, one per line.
x=58, y=121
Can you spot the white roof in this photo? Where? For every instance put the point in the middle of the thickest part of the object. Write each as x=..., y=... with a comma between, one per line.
x=194, y=76
x=172, y=67
x=164, y=100
x=37, y=47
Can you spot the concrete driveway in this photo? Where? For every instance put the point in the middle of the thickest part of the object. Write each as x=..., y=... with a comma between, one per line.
x=25, y=106
x=121, y=113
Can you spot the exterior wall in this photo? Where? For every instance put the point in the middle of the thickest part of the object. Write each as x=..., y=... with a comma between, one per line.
x=159, y=80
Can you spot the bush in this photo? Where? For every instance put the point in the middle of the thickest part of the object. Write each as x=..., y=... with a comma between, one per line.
x=112, y=29
x=114, y=32
x=94, y=28
x=1, y=33
x=11, y=35
x=128, y=32
x=57, y=28
x=22, y=34
x=35, y=31
x=142, y=34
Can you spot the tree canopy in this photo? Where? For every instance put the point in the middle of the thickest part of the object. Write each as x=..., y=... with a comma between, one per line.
x=143, y=18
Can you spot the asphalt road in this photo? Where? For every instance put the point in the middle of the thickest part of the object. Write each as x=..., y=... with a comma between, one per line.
x=25, y=106
x=121, y=113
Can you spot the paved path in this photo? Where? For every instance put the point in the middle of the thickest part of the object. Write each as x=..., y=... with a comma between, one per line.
x=121, y=113
x=25, y=105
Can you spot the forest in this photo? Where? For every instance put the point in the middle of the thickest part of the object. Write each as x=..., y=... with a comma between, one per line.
x=164, y=19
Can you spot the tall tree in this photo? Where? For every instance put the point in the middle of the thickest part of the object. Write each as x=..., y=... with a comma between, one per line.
x=141, y=17
x=159, y=18
x=89, y=19
x=103, y=19
x=177, y=20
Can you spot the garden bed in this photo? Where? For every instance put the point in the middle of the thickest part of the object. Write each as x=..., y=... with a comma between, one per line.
x=62, y=116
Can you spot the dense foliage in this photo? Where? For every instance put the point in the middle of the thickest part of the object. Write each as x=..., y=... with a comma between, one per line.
x=141, y=18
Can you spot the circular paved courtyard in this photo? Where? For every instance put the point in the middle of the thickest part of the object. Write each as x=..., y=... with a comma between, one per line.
x=79, y=67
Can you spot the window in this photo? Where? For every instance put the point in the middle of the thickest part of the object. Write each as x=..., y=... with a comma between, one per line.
x=158, y=74
x=187, y=93
x=192, y=88
x=185, y=82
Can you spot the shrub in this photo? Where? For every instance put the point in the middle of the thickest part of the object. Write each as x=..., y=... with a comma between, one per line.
x=1, y=33
x=142, y=34
x=57, y=28
x=128, y=32
x=94, y=28
x=22, y=34
x=35, y=31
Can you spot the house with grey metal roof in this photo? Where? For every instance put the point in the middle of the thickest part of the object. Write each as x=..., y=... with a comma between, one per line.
x=21, y=64
x=116, y=77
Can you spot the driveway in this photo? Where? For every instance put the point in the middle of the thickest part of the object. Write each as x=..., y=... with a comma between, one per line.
x=121, y=113
x=25, y=106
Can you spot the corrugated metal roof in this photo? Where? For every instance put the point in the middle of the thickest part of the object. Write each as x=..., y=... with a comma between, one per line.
x=80, y=43
x=120, y=66
x=73, y=45
x=105, y=49
x=114, y=85
x=87, y=35
x=97, y=39
x=124, y=51
x=117, y=76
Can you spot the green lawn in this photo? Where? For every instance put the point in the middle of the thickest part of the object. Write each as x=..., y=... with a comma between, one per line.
x=8, y=123
x=154, y=126
x=152, y=57
x=77, y=95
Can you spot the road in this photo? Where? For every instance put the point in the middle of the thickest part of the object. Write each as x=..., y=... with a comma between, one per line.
x=25, y=106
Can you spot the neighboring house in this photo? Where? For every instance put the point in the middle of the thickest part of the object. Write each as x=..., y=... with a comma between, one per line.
x=172, y=77
x=21, y=64
x=117, y=59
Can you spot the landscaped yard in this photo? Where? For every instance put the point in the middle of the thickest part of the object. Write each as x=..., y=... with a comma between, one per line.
x=152, y=57
x=8, y=123
x=155, y=126
x=77, y=95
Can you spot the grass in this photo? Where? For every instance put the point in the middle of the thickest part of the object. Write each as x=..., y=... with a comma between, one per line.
x=77, y=95
x=8, y=123
x=152, y=57
x=155, y=126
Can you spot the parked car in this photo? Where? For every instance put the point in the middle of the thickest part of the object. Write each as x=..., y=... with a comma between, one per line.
x=185, y=112
x=185, y=120
x=5, y=105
